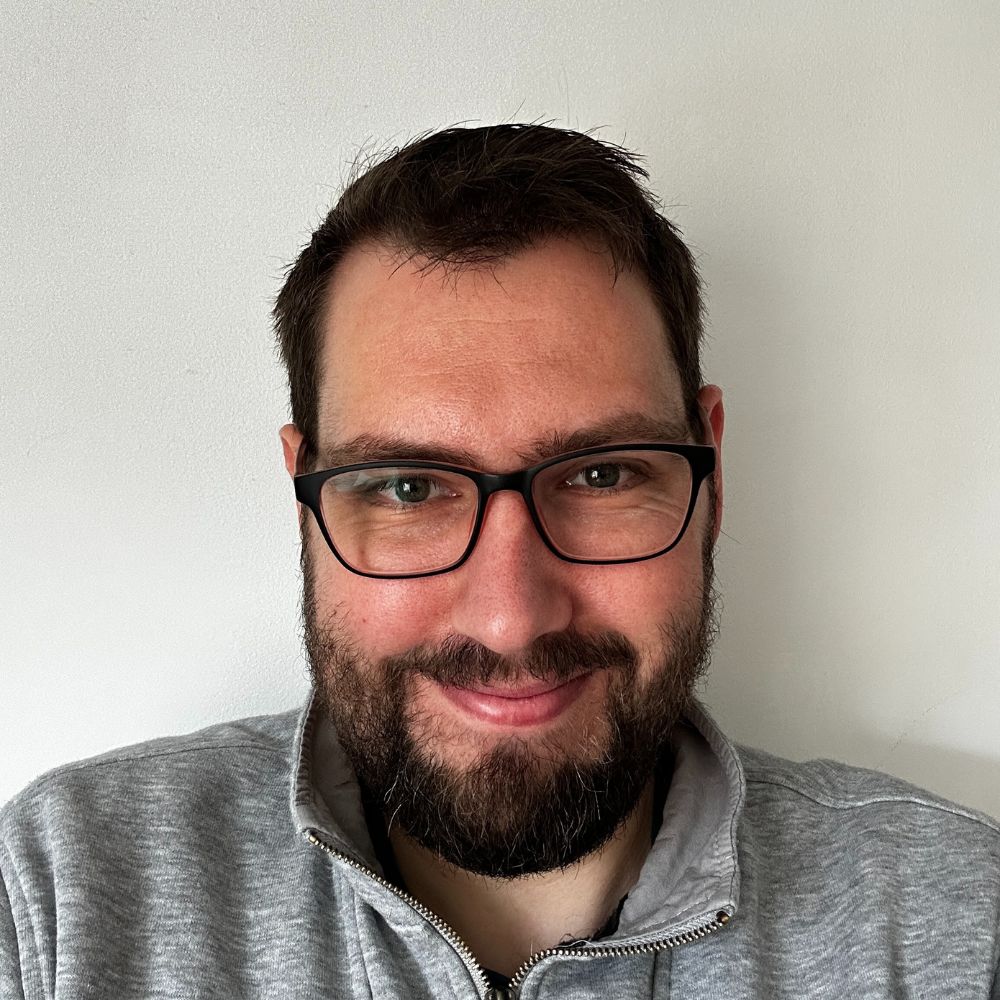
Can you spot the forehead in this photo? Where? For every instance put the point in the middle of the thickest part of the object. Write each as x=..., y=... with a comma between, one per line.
x=488, y=361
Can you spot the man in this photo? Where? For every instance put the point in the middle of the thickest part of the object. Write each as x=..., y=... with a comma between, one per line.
x=509, y=479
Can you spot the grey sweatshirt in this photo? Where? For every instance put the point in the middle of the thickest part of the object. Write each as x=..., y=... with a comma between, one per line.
x=236, y=863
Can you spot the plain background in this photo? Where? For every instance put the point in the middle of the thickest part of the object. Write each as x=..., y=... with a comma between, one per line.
x=834, y=166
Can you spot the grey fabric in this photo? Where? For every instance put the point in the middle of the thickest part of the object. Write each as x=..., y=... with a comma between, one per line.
x=177, y=869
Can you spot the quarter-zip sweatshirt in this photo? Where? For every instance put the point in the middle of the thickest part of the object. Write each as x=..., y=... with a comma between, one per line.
x=236, y=862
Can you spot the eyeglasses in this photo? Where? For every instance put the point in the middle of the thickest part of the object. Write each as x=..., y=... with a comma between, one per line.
x=613, y=504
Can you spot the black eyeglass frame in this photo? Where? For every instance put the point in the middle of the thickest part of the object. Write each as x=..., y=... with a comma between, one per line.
x=309, y=487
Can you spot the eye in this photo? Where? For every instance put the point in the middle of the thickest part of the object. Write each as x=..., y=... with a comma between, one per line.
x=601, y=477
x=408, y=489
x=396, y=488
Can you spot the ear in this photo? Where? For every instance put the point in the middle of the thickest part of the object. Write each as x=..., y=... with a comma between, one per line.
x=714, y=418
x=291, y=439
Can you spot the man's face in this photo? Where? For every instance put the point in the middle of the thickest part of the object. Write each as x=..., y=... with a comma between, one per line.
x=495, y=370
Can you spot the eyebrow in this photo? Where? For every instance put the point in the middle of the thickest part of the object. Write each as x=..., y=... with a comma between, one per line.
x=621, y=428
x=378, y=447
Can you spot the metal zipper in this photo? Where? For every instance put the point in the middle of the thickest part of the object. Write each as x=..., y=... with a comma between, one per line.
x=459, y=945
x=510, y=993
x=717, y=923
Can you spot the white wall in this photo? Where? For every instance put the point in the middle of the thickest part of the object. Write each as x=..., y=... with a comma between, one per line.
x=836, y=168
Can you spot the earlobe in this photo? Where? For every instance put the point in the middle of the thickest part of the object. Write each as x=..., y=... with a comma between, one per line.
x=291, y=439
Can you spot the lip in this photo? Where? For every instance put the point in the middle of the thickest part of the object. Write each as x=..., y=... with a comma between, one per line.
x=525, y=704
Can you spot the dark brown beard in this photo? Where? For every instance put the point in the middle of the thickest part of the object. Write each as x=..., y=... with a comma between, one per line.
x=515, y=811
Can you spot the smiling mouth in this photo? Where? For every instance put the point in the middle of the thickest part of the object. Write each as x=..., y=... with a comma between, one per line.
x=521, y=704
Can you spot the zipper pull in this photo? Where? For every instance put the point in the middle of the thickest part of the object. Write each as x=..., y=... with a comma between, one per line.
x=501, y=993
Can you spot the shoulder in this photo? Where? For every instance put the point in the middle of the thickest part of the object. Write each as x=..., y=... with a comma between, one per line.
x=838, y=786
x=162, y=773
x=171, y=839
x=887, y=867
x=270, y=735
x=848, y=801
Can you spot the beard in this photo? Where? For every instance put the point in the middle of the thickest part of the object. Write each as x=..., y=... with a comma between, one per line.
x=524, y=805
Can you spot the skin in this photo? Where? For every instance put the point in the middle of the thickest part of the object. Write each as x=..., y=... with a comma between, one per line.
x=490, y=362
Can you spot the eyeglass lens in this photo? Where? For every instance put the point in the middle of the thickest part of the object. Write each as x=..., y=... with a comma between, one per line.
x=615, y=505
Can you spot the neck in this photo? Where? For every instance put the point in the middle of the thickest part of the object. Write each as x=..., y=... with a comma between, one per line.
x=505, y=921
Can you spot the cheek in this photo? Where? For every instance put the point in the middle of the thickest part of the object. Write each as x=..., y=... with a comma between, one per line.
x=384, y=617
x=636, y=599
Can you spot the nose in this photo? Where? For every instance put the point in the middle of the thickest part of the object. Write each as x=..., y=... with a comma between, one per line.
x=512, y=589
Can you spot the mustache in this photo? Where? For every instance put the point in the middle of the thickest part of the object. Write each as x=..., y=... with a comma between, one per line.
x=559, y=656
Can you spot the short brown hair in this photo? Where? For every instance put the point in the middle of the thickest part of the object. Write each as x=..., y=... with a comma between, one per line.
x=471, y=197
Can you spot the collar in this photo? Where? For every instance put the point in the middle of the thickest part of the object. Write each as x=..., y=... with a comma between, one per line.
x=691, y=872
